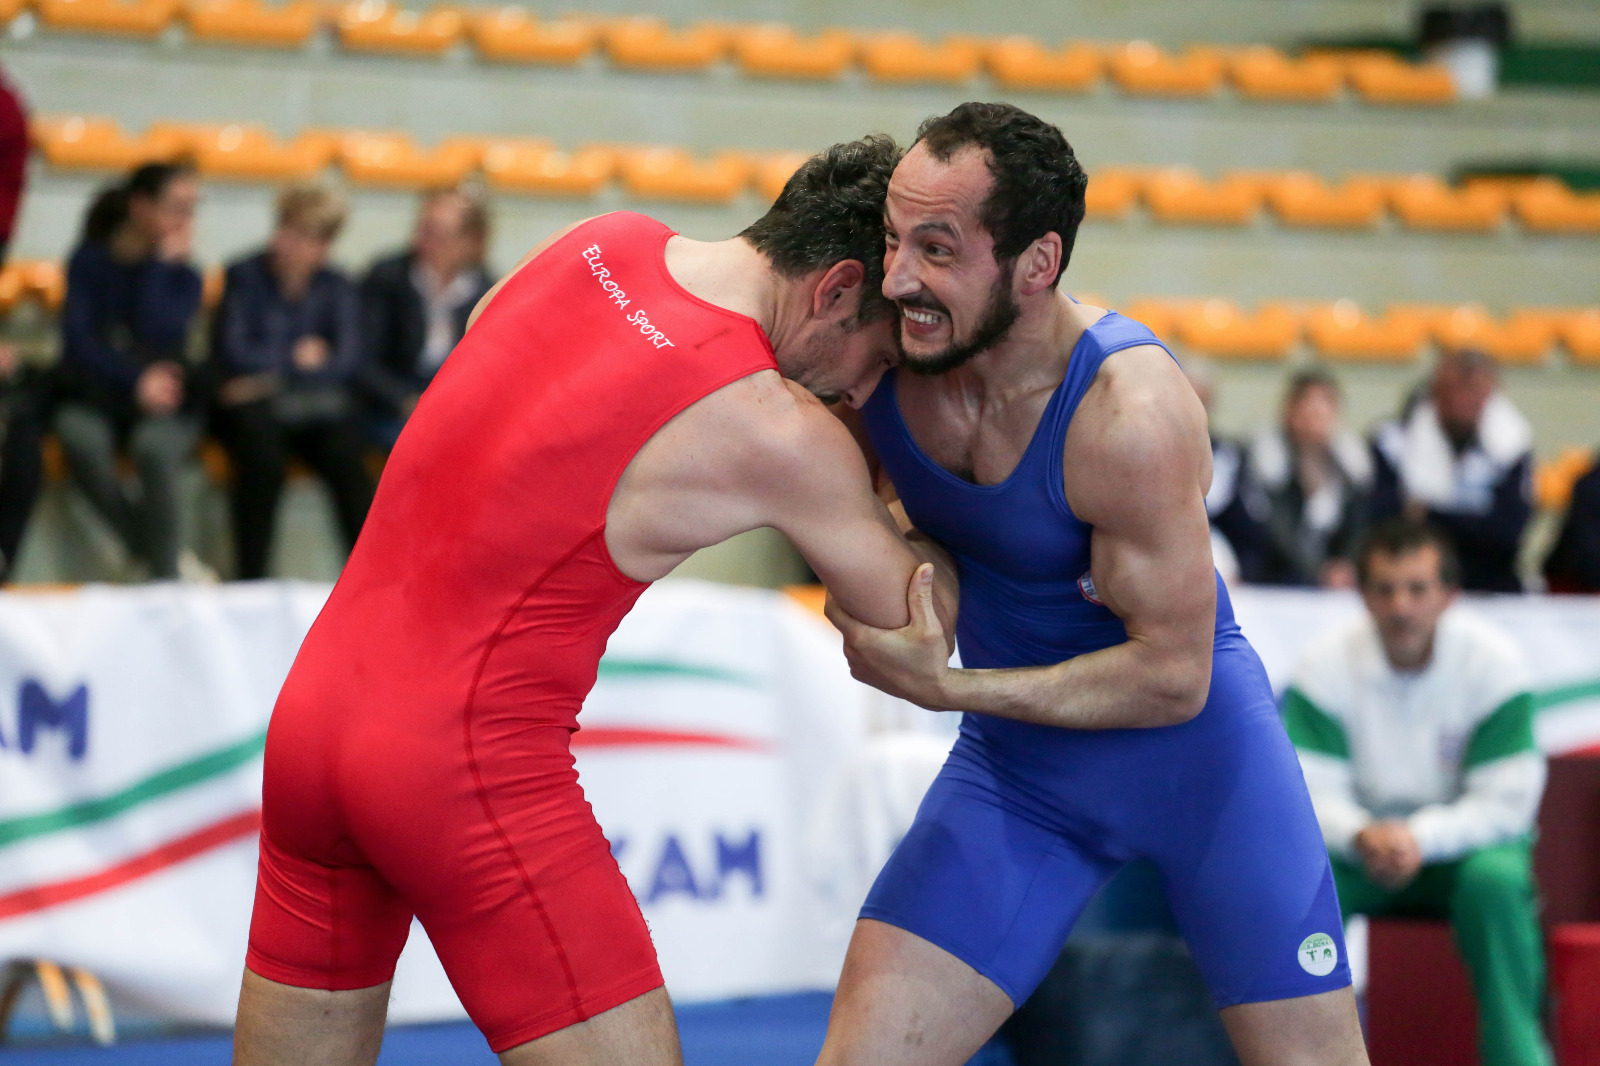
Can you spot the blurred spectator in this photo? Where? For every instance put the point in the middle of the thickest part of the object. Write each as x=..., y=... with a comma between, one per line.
x=123, y=378
x=1313, y=477
x=1461, y=456
x=285, y=350
x=21, y=398
x=1414, y=726
x=417, y=303
x=1238, y=531
x=1574, y=563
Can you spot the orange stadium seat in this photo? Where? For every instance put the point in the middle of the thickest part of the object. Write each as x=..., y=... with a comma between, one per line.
x=1217, y=327
x=1384, y=78
x=531, y=166
x=777, y=51
x=1424, y=201
x=10, y=9
x=1546, y=205
x=44, y=281
x=515, y=35
x=1524, y=337
x=1302, y=199
x=379, y=26
x=1179, y=195
x=648, y=44
x=1112, y=193
x=1554, y=479
x=905, y=57
x=1343, y=331
x=1580, y=332
x=1264, y=73
x=394, y=159
x=773, y=171
x=135, y=18
x=95, y=143
x=11, y=285
x=673, y=174
x=212, y=281
x=252, y=22
x=1024, y=63
x=1141, y=68
x=1159, y=314
x=250, y=153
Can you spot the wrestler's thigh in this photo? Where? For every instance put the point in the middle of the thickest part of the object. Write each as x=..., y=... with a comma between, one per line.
x=640, y=1032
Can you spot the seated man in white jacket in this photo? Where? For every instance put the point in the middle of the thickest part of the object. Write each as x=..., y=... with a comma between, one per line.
x=1414, y=726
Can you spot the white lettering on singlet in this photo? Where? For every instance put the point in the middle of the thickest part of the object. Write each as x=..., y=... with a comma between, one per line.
x=614, y=292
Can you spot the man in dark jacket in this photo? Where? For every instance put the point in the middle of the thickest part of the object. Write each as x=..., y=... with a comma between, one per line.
x=286, y=349
x=22, y=401
x=416, y=304
x=1574, y=563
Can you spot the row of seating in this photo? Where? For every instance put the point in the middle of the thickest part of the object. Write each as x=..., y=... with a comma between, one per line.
x=536, y=167
x=516, y=35
x=1339, y=331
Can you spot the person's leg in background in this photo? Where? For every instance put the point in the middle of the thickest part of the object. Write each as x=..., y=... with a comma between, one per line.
x=255, y=443
x=1494, y=910
x=89, y=441
x=336, y=450
x=21, y=470
x=161, y=448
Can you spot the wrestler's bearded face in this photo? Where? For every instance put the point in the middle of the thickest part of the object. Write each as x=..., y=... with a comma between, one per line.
x=992, y=326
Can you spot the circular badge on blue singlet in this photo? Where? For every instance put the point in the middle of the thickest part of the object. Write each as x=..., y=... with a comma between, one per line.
x=1318, y=954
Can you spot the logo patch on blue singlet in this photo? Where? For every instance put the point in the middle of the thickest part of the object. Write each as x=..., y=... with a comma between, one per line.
x=1318, y=954
x=1086, y=586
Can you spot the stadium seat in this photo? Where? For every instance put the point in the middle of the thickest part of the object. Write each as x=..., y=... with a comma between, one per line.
x=1424, y=201
x=648, y=44
x=1141, y=68
x=1158, y=314
x=1384, y=78
x=1179, y=195
x=1546, y=205
x=515, y=35
x=673, y=174
x=1580, y=332
x=1112, y=193
x=1023, y=63
x=534, y=167
x=1523, y=338
x=10, y=9
x=394, y=159
x=1553, y=479
x=11, y=286
x=133, y=18
x=379, y=26
x=251, y=153
x=1264, y=73
x=1302, y=199
x=212, y=281
x=94, y=143
x=777, y=51
x=905, y=57
x=251, y=22
x=1218, y=328
x=773, y=171
x=44, y=281
x=1342, y=331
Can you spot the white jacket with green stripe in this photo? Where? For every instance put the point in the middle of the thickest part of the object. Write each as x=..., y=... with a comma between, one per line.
x=1449, y=749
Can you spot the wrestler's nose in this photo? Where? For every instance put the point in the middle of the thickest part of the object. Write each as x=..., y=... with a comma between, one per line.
x=899, y=275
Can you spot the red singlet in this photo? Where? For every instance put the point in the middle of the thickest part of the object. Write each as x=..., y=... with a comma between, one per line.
x=417, y=760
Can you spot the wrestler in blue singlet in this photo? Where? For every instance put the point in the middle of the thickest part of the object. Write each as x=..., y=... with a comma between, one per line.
x=1026, y=822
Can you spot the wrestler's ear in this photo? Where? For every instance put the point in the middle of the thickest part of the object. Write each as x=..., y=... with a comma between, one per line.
x=1039, y=264
x=834, y=296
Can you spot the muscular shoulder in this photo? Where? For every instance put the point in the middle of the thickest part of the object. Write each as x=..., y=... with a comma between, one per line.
x=783, y=435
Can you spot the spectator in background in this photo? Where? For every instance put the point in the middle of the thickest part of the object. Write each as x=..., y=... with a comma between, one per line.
x=124, y=378
x=22, y=406
x=1238, y=531
x=417, y=302
x=1313, y=477
x=1574, y=563
x=1414, y=727
x=1461, y=456
x=285, y=352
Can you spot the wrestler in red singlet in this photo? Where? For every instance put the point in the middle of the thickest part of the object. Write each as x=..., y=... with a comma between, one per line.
x=417, y=761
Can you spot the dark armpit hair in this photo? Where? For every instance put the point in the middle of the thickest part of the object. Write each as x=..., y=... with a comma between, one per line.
x=1402, y=536
x=1038, y=184
x=831, y=210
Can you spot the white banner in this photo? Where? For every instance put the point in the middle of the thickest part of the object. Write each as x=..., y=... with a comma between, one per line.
x=724, y=748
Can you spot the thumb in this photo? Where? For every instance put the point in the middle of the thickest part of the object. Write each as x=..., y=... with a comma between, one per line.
x=919, y=598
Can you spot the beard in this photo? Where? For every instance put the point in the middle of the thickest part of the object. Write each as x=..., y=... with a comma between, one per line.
x=999, y=315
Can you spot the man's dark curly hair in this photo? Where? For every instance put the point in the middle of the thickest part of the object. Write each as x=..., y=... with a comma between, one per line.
x=1038, y=184
x=831, y=210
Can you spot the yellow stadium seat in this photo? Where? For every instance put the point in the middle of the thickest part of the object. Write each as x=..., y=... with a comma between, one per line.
x=514, y=35
x=1383, y=78
x=1141, y=68
x=1424, y=201
x=94, y=143
x=772, y=172
x=1179, y=195
x=379, y=26
x=1523, y=338
x=250, y=153
x=673, y=174
x=531, y=166
x=905, y=57
x=1112, y=192
x=1218, y=328
x=1580, y=333
x=254, y=23
x=1548, y=206
x=648, y=44
x=1264, y=73
x=1554, y=480
x=1342, y=331
x=1023, y=63
x=394, y=159
x=134, y=18
x=1302, y=199
x=777, y=51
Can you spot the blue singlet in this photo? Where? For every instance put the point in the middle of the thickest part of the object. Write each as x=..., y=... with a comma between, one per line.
x=1026, y=822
